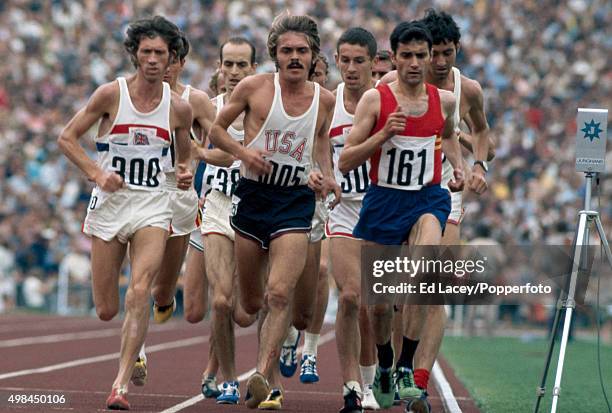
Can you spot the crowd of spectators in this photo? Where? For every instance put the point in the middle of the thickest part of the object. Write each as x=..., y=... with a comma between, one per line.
x=537, y=61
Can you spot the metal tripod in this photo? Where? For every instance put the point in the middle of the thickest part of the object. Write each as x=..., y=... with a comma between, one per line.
x=586, y=218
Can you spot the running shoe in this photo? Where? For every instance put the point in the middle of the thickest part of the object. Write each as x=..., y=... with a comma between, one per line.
x=308, y=370
x=230, y=393
x=161, y=314
x=288, y=358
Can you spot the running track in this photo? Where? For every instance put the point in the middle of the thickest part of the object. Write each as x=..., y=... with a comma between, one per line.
x=77, y=358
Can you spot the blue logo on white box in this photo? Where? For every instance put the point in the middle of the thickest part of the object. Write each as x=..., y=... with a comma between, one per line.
x=591, y=130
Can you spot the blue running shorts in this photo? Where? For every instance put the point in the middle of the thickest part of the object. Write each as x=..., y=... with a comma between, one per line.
x=387, y=215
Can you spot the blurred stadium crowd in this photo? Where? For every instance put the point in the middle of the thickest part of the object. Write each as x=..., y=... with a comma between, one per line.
x=536, y=60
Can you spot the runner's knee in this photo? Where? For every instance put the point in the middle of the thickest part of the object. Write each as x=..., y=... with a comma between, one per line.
x=194, y=314
x=381, y=311
x=137, y=296
x=106, y=313
x=278, y=298
x=222, y=305
x=349, y=301
x=323, y=271
x=251, y=304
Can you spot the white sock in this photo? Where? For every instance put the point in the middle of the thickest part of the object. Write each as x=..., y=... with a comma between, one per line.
x=352, y=385
x=311, y=342
x=367, y=374
x=292, y=335
x=141, y=353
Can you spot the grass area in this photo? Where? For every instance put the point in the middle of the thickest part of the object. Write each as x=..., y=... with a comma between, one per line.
x=502, y=373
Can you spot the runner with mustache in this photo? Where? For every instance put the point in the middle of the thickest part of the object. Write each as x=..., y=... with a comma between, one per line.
x=286, y=127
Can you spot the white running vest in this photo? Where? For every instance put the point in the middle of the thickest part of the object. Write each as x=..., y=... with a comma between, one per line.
x=216, y=177
x=457, y=93
x=289, y=140
x=136, y=142
x=355, y=183
x=447, y=168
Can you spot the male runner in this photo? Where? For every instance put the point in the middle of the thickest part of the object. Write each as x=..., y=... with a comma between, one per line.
x=355, y=54
x=184, y=206
x=237, y=59
x=405, y=200
x=470, y=109
x=286, y=122
x=129, y=203
x=383, y=64
x=309, y=309
x=321, y=70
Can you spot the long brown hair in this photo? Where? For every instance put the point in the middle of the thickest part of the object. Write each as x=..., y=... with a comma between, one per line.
x=284, y=23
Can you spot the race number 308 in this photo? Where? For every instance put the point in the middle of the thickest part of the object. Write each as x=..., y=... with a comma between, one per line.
x=137, y=171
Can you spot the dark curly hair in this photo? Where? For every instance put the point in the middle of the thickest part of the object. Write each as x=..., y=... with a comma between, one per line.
x=184, y=51
x=442, y=27
x=152, y=27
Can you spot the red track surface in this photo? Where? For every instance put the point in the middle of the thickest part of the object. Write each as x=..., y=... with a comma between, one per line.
x=174, y=373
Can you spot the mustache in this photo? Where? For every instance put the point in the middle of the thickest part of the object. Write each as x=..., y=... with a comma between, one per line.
x=295, y=65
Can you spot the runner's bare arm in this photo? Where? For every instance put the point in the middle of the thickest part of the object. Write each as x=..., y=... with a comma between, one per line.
x=481, y=142
x=100, y=104
x=450, y=142
x=238, y=103
x=203, y=112
x=359, y=146
x=323, y=149
x=182, y=126
x=322, y=143
x=465, y=139
x=215, y=157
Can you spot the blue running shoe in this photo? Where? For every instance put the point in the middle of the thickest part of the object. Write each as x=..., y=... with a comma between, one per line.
x=288, y=358
x=308, y=371
x=230, y=394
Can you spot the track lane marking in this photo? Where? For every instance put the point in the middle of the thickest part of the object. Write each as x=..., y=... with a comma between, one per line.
x=113, y=356
x=83, y=335
x=330, y=335
x=445, y=390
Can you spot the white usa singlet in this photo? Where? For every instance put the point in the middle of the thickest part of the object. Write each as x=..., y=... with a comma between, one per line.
x=289, y=140
x=355, y=183
x=216, y=177
x=136, y=142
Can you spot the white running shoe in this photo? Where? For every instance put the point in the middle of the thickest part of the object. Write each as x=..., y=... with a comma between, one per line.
x=369, y=401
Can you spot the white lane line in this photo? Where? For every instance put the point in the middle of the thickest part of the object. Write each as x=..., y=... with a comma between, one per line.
x=42, y=325
x=445, y=390
x=31, y=390
x=112, y=356
x=105, y=357
x=190, y=402
x=83, y=335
